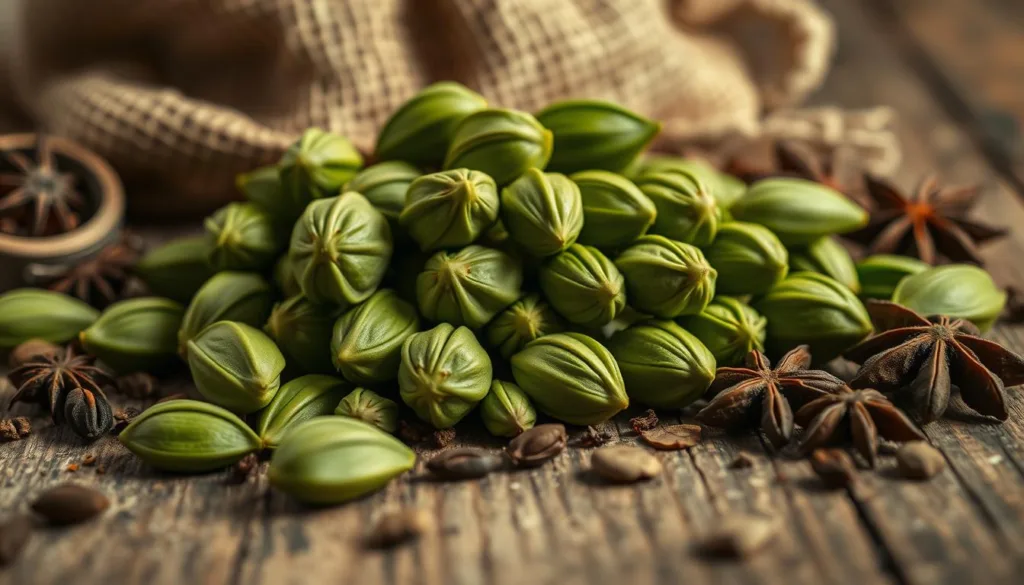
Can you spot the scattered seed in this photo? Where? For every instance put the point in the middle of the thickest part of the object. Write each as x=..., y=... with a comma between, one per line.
x=592, y=437
x=412, y=433
x=71, y=468
x=465, y=463
x=15, y=532
x=70, y=503
x=138, y=385
x=14, y=429
x=23, y=353
x=742, y=461
x=739, y=536
x=834, y=467
x=89, y=460
x=919, y=460
x=672, y=437
x=443, y=437
x=624, y=464
x=534, y=447
x=395, y=527
x=646, y=422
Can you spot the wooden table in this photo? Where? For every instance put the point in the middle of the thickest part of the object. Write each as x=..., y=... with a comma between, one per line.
x=954, y=71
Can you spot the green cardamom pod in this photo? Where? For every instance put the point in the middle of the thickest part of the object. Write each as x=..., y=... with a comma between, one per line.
x=228, y=296
x=235, y=366
x=543, y=212
x=136, y=335
x=370, y=407
x=583, y=286
x=662, y=364
x=726, y=188
x=729, y=329
x=687, y=210
x=315, y=167
x=813, y=309
x=421, y=130
x=384, y=185
x=502, y=143
x=333, y=459
x=468, y=287
x=615, y=211
x=262, y=188
x=340, y=249
x=300, y=399
x=366, y=345
x=449, y=209
x=302, y=330
x=507, y=410
x=594, y=134
x=826, y=256
x=964, y=291
x=879, y=274
x=444, y=373
x=177, y=269
x=749, y=258
x=798, y=211
x=33, y=313
x=522, y=322
x=571, y=377
x=241, y=237
x=666, y=278
x=284, y=277
x=189, y=436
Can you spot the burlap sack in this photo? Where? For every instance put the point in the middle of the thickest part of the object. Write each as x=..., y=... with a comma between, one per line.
x=181, y=95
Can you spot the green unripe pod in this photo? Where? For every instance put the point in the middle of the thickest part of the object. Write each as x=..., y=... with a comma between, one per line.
x=749, y=258
x=366, y=346
x=370, y=407
x=449, y=209
x=136, y=335
x=729, y=329
x=31, y=313
x=507, y=410
x=468, y=287
x=301, y=399
x=543, y=212
x=384, y=185
x=956, y=290
x=826, y=256
x=235, y=366
x=421, y=130
x=178, y=268
x=315, y=167
x=502, y=143
x=584, y=286
x=799, y=211
x=228, y=296
x=595, y=134
x=302, y=330
x=666, y=278
x=615, y=211
x=687, y=211
x=522, y=322
x=879, y=274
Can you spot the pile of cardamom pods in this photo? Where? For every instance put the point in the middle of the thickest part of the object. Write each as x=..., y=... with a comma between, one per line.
x=492, y=258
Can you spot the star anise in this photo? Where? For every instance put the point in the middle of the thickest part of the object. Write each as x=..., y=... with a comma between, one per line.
x=757, y=394
x=48, y=379
x=919, y=359
x=860, y=416
x=45, y=196
x=929, y=223
x=100, y=280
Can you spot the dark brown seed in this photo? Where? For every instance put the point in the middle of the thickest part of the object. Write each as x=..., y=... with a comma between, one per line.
x=87, y=413
x=13, y=429
x=443, y=437
x=413, y=433
x=395, y=527
x=534, y=447
x=24, y=353
x=834, y=467
x=672, y=437
x=739, y=536
x=15, y=533
x=70, y=503
x=624, y=464
x=138, y=385
x=742, y=461
x=466, y=463
x=919, y=460
x=245, y=468
x=89, y=460
x=648, y=421
x=592, y=437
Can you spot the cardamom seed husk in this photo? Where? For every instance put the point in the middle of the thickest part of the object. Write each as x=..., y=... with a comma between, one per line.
x=502, y=143
x=687, y=210
x=799, y=211
x=615, y=211
x=956, y=290
x=235, y=366
x=583, y=286
x=826, y=256
x=366, y=344
x=666, y=278
x=595, y=134
x=136, y=335
x=543, y=212
x=370, y=407
x=243, y=297
x=507, y=410
x=748, y=257
x=298, y=400
x=32, y=313
x=879, y=274
x=421, y=130
x=449, y=209
x=468, y=287
x=178, y=268
x=302, y=331
x=241, y=237
x=729, y=329
x=315, y=167
x=525, y=320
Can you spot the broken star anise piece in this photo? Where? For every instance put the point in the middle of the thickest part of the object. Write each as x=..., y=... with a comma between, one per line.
x=757, y=394
x=918, y=360
x=929, y=223
x=100, y=280
x=860, y=416
x=38, y=196
x=48, y=379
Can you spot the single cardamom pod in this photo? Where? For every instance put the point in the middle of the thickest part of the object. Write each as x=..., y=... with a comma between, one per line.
x=235, y=366
x=370, y=407
x=262, y=187
x=879, y=274
x=571, y=377
x=315, y=167
x=615, y=211
x=340, y=249
x=88, y=413
x=178, y=268
x=32, y=313
x=826, y=256
x=302, y=330
x=502, y=143
x=662, y=364
x=955, y=290
x=333, y=459
x=384, y=185
x=189, y=436
x=366, y=345
x=241, y=237
x=449, y=209
x=594, y=134
x=300, y=399
x=687, y=210
x=726, y=188
x=243, y=297
x=543, y=212
x=284, y=277
x=421, y=130
x=70, y=503
x=666, y=278
x=584, y=286
x=729, y=329
x=136, y=335
x=749, y=259
x=468, y=287
x=525, y=320
x=507, y=410
x=799, y=211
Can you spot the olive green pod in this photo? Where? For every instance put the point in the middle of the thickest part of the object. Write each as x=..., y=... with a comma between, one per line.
x=799, y=211
x=662, y=364
x=729, y=329
x=315, y=167
x=421, y=129
x=813, y=309
x=826, y=256
x=284, y=277
x=302, y=330
x=571, y=377
x=507, y=410
x=178, y=268
x=749, y=258
x=262, y=187
x=370, y=407
x=235, y=366
x=444, y=373
x=666, y=278
x=964, y=291
x=879, y=274
x=583, y=286
x=33, y=313
x=340, y=249
x=594, y=134
x=543, y=212
x=366, y=345
x=228, y=296
x=298, y=400
x=189, y=436
x=525, y=320
x=384, y=185
x=449, y=209
x=726, y=188
x=333, y=459
x=502, y=143
x=468, y=287
x=615, y=211
x=136, y=335
x=687, y=211
x=241, y=237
